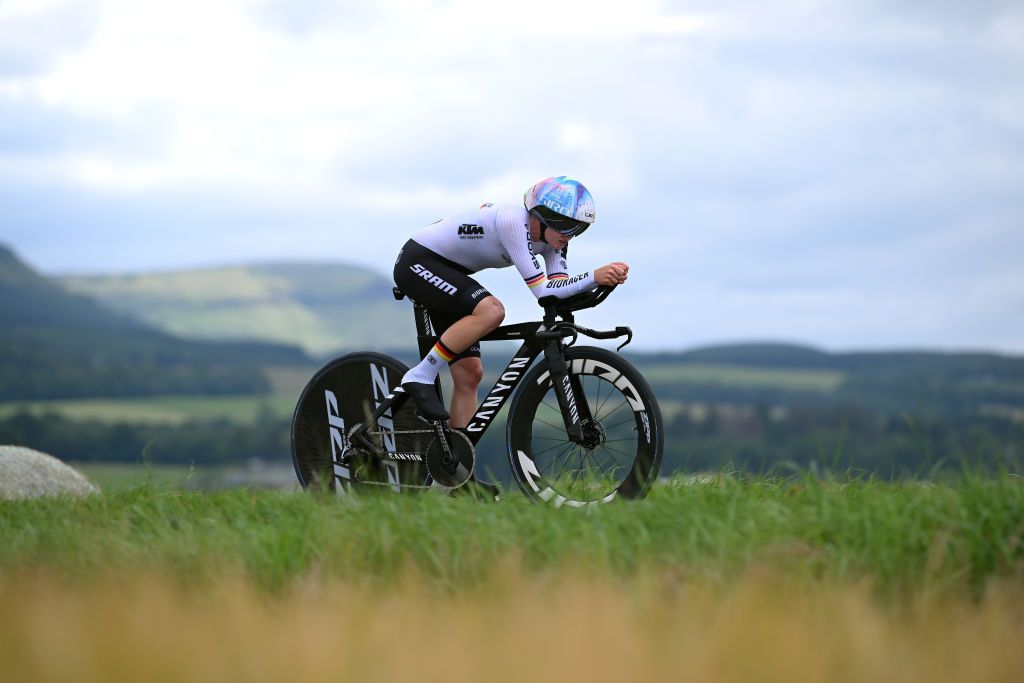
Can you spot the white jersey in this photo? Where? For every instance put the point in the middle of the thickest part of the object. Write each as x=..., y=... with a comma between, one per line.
x=499, y=237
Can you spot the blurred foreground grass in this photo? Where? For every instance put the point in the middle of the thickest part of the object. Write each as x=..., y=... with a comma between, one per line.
x=514, y=627
x=950, y=537
x=720, y=580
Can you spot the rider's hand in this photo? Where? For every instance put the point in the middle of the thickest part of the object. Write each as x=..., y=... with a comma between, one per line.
x=612, y=274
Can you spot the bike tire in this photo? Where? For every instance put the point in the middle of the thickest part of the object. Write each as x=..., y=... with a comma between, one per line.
x=626, y=414
x=339, y=396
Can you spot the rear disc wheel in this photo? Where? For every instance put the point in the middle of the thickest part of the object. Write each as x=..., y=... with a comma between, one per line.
x=340, y=396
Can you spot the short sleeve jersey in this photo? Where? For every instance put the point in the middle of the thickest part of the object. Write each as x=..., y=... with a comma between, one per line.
x=498, y=237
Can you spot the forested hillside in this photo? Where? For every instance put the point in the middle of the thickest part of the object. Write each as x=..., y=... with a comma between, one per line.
x=56, y=344
x=752, y=406
x=756, y=406
x=929, y=383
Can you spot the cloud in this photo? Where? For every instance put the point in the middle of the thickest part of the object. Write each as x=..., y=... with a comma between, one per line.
x=35, y=33
x=834, y=172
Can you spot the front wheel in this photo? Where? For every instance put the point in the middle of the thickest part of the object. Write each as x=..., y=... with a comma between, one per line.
x=624, y=434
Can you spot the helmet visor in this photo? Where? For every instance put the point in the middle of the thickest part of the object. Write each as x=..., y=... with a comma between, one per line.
x=570, y=227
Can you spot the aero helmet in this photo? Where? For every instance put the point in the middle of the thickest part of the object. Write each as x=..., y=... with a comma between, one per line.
x=562, y=204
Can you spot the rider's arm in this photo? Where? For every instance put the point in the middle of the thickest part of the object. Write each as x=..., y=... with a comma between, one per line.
x=558, y=281
x=515, y=238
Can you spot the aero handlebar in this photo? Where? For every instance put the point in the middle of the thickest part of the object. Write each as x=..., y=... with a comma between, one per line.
x=577, y=302
x=564, y=308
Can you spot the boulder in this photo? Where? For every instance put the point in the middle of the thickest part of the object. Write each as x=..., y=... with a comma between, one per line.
x=25, y=473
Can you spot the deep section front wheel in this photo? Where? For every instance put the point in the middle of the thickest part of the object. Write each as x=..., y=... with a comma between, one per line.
x=339, y=398
x=624, y=436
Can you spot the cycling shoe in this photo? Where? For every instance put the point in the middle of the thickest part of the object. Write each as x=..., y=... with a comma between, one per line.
x=427, y=402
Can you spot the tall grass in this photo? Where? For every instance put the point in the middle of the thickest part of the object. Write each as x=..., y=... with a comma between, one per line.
x=512, y=628
x=902, y=537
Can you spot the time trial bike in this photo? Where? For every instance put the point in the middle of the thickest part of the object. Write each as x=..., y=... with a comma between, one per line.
x=583, y=428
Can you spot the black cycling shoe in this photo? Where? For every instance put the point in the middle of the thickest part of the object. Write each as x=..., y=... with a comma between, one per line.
x=427, y=402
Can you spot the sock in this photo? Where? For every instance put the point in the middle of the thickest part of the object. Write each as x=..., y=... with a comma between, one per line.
x=426, y=371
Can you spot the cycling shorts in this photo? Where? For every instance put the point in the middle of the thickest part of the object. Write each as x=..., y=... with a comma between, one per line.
x=444, y=287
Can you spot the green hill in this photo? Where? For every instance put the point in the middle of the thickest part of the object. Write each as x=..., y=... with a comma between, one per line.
x=59, y=345
x=322, y=307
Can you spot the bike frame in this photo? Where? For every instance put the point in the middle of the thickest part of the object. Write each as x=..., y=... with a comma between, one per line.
x=508, y=380
x=538, y=337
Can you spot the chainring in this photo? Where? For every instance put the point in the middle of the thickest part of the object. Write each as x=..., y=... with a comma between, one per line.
x=459, y=466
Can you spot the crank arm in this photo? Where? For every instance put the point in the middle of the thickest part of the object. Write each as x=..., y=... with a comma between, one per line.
x=395, y=399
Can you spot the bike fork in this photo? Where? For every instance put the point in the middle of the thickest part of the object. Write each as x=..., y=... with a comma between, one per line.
x=569, y=392
x=393, y=400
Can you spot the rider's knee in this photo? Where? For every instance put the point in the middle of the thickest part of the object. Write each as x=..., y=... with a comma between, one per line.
x=491, y=310
x=468, y=372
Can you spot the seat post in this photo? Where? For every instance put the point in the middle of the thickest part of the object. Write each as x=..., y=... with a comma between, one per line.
x=424, y=335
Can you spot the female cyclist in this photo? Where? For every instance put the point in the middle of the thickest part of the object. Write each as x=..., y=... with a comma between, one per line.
x=434, y=269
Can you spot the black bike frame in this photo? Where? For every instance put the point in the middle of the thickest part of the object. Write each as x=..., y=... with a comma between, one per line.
x=566, y=389
x=540, y=336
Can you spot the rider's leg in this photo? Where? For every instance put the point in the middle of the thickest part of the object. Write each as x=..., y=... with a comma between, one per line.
x=466, y=376
x=486, y=317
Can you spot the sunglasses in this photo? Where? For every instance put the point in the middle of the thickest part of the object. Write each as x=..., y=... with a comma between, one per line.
x=563, y=225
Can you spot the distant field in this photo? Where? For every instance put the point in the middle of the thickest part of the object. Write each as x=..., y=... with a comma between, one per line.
x=159, y=409
x=822, y=381
x=112, y=477
x=288, y=383
x=121, y=476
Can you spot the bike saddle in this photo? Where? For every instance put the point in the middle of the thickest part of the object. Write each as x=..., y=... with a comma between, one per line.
x=427, y=402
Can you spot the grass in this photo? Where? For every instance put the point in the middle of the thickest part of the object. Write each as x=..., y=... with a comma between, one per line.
x=563, y=628
x=955, y=537
x=717, y=579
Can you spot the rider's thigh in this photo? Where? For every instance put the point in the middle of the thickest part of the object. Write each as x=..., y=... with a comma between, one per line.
x=491, y=310
x=467, y=372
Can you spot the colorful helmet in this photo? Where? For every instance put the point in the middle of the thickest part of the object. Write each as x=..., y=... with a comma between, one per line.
x=562, y=204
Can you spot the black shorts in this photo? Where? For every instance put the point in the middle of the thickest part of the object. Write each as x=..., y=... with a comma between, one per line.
x=444, y=287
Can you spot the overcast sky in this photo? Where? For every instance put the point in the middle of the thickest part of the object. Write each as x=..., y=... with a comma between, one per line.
x=843, y=174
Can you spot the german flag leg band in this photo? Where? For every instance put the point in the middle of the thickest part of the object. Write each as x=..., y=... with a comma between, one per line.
x=446, y=354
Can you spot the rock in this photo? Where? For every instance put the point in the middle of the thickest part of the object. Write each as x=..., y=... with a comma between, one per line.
x=25, y=473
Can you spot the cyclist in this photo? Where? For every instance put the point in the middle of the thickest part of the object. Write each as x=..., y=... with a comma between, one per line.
x=434, y=269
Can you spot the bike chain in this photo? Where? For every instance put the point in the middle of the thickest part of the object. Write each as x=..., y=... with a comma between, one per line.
x=419, y=487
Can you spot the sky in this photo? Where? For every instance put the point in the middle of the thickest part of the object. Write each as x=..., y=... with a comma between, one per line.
x=848, y=175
